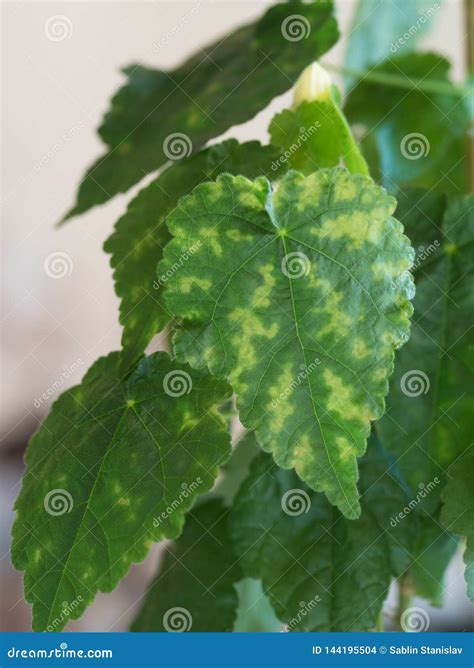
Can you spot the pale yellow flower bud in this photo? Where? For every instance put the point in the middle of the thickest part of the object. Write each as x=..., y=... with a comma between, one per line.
x=314, y=83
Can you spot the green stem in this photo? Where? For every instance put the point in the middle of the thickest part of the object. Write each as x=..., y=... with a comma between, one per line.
x=401, y=81
x=405, y=595
x=353, y=159
x=379, y=626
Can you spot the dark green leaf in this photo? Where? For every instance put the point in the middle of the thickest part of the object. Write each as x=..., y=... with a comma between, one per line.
x=434, y=549
x=195, y=586
x=113, y=468
x=299, y=296
x=137, y=242
x=420, y=135
x=321, y=571
x=429, y=420
x=458, y=510
x=158, y=114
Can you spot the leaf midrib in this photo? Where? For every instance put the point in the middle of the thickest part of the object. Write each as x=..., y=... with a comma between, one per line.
x=86, y=510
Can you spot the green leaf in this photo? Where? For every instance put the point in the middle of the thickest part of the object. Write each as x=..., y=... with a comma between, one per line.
x=429, y=418
x=315, y=135
x=137, y=242
x=457, y=514
x=433, y=552
x=389, y=27
x=321, y=571
x=299, y=297
x=195, y=586
x=113, y=468
x=406, y=124
x=158, y=114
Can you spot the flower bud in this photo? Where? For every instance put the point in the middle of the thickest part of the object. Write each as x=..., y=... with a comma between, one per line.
x=314, y=83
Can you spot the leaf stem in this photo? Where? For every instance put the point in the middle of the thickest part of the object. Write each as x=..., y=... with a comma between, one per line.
x=379, y=626
x=405, y=595
x=401, y=81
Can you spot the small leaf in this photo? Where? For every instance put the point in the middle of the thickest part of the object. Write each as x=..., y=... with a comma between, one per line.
x=137, y=243
x=160, y=115
x=113, y=468
x=457, y=514
x=299, y=297
x=406, y=122
x=428, y=424
x=321, y=571
x=195, y=586
x=315, y=135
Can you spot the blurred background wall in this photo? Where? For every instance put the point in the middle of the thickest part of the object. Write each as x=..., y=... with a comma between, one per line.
x=54, y=96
